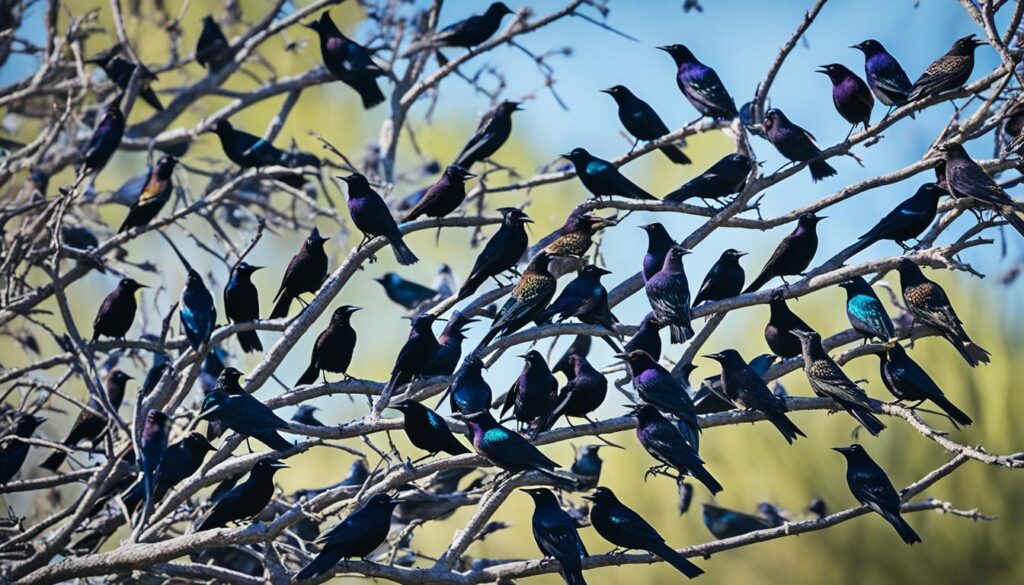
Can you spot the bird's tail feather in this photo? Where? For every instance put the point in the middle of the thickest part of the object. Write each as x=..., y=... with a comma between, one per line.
x=859, y=246
x=1011, y=217
x=284, y=302
x=469, y=287
x=905, y=531
x=249, y=341
x=402, y=252
x=371, y=94
x=611, y=343
x=785, y=426
x=573, y=576
x=54, y=461
x=309, y=376
x=680, y=333
x=318, y=566
x=954, y=413
x=870, y=421
x=758, y=282
x=821, y=169
x=670, y=556
x=691, y=433
x=704, y=476
x=275, y=441
x=675, y=154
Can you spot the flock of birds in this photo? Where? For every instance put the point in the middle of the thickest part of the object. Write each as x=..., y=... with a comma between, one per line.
x=666, y=414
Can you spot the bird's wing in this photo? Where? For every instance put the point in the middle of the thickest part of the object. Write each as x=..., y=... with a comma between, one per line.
x=971, y=180
x=258, y=413
x=941, y=71
x=708, y=89
x=632, y=525
x=872, y=487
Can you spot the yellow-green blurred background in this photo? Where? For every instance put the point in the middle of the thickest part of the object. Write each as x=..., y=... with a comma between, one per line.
x=752, y=462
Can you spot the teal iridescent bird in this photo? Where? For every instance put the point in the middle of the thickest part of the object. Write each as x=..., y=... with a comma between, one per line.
x=865, y=310
x=603, y=178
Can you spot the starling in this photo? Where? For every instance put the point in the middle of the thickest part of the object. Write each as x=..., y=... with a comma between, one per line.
x=669, y=295
x=443, y=197
x=501, y=253
x=658, y=243
x=576, y=235
x=865, y=310
x=349, y=61
x=154, y=195
x=120, y=70
x=13, y=452
x=151, y=448
x=793, y=255
x=582, y=394
x=647, y=337
x=724, y=280
x=828, y=380
x=966, y=179
x=469, y=391
x=872, y=487
x=624, y=528
x=795, y=143
x=851, y=96
x=247, y=499
x=586, y=299
x=701, y=85
x=908, y=381
x=305, y=273
x=89, y=426
x=117, y=311
x=105, y=139
x=658, y=387
x=643, y=123
x=305, y=414
x=449, y=351
x=212, y=49
x=726, y=177
x=930, y=306
x=663, y=441
x=533, y=394
x=492, y=132
x=533, y=292
x=726, y=523
x=241, y=412
x=332, y=351
x=745, y=387
x=778, y=333
x=356, y=536
x=372, y=216
x=949, y=71
x=587, y=467
x=603, y=178
x=885, y=77
x=242, y=304
x=404, y=292
x=556, y=535
x=507, y=449
x=427, y=430
x=466, y=33
x=415, y=355
x=907, y=221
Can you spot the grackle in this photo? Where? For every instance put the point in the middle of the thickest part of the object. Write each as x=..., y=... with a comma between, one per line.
x=967, y=180
x=872, y=487
x=793, y=255
x=241, y=412
x=492, y=132
x=643, y=123
x=305, y=414
x=212, y=49
x=658, y=387
x=501, y=253
x=647, y=337
x=534, y=393
x=885, y=76
x=89, y=425
x=242, y=304
x=120, y=71
x=726, y=523
x=246, y=499
x=850, y=95
x=305, y=273
x=745, y=387
x=726, y=177
x=658, y=243
x=582, y=394
x=332, y=351
x=724, y=280
x=151, y=448
x=556, y=535
x=778, y=333
x=949, y=71
x=531, y=295
x=155, y=193
x=348, y=61
x=701, y=85
x=586, y=299
x=443, y=197
x=105, y=139
x=663, y=441
x=449, y=351
x=358, y=535
x=587, y=467
x=507, y=449
x=908, y=381
x=865, y=310
x=372, y=216
x=466, y=33
x=602, y=178
x=669, y=295
x=407, y=293
x=907, y=221
x=13, y=451
x=117, y=311
x=427, y=430
x=795, y=143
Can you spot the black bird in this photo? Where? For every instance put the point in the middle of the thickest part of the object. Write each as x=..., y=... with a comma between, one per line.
x=865, y=310
x=80, y=237
x=196, y=311
x=449, y=351
x=701, y=85
x=643, y=123
x=907, y=221
x=13, y=452
x=603, y=178
x=466, y=33
x=795, y=143
x=587, y=467
x=726, y=177
x=90, y=426
x=105, y=139
x=349, y=61
x=531, y=295
x=242, y=304
x=647, y=337
x=872, y=487
x=246, y=499
x=501, y=253
x=658, y=387
x=241, y=412
x=120, y=71
x=507, y=449
x=427, y=430
x=885, y=77
x=621, y=526
x=469, y=391
x=407, y=293
x=851, y=96
x=492, y=132
x=152, y=446
x=332, y=351
x=415, y=355
x=586, y=299
x=745, y=388
x=533, y=394
x=930, y=306
x=724, y=280
x=663, y=441
x=828, y=380
x=305, y=414
x=711, y=396
x=669, y=295
x=726, y=523
x=658, y=244
x=179, y=462
x=778, y=333
x=556, y=535
x=250, y=151
x=305, y=273
x=212, y=49
x=908, y=381
x=154, y=195
x=966, y=179
x=580, y=346
x=949, y=71
x=443, y=197
x=356, y=536
x=372, y=216
x=582, y=394
x=793, y=255
x=117, y=311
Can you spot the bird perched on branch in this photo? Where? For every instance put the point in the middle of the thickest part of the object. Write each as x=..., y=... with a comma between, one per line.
x=643, y=123
x=582, y=394
x=196, y=310
x=443, y=197
x=745, y=387
x=586, y=299
x=908, y=381
x=907, y=221
x=155, y=193
x=701, y=85
x=949, y=71
x=580, y=346
x=469, y=392
x=349, y=61
x=372, y=216
x=851, y=96
x=587, y=467
x=406, y=293
x=91, y=423
x=603, y=178
x=247, y=499
x=865, y=310
x=179, y=462
x=212, y=49
x=533, y=292
x=647, y=337
x=358, y=535
x=501, y=253
x=724, y=280
x=966, y=179
x=104, y=141
x=506, y=448
x=305, y=273
x=658, y=243
x=556, y=535
x=795, y=143
x=250, y=151
x=415, y=355
x=151, y=448
x=778, y=333
x=490, y=135
x=332, y=350
x=242, y=304
x=726, y=177
x=669, y=294
x=466, y=33
x=663, y=441
x=241, y=412
x=885, y=77
x=726, y=523
x=872, y=487
x=120, y=71
x=793, y=255
x=117, y=311
x=13, y=451
x=449, y=351
x=534, y=393
x=427, y=430
x=576, y=235
x=657, y=386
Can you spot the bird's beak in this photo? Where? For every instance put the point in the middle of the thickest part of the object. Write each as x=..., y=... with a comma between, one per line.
x=526, y=220
x=354, y=309
x=566, y=156
x=467, y=175
x=143, y=286
x=841, y=449
x=279, y=465
x=255, y=268
x=714, y=356
x=518, y=107
x=608, y=91
x=741, y=254
x=821, y=70
x=341, y=177
x=589, y=498
x=665, y=48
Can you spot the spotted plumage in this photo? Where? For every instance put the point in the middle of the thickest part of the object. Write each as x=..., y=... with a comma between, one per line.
x=949, y=71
